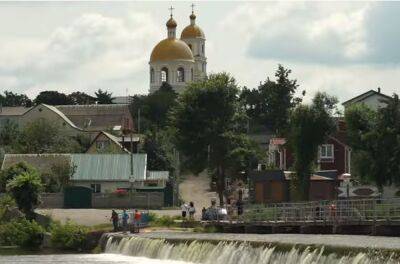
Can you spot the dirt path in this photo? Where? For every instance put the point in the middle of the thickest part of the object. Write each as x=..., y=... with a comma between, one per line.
x=196, y=189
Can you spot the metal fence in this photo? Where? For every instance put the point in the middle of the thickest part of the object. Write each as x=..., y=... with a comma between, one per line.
x=340, y=211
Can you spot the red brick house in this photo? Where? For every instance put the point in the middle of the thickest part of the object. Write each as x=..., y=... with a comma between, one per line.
x=334, y=154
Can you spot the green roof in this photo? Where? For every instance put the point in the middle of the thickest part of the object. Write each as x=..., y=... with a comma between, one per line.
x=108, y=167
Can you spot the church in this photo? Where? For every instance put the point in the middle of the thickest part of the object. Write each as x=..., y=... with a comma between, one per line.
x=179, y=61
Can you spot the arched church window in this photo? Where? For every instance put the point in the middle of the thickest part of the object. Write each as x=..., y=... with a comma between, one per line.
x=151, y=75
x=191, y=74
x=202, y=49
x=180, y=75
x=164, y=75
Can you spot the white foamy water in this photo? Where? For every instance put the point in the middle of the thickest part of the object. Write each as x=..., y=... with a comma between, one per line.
x=83, y=258
x=229, y=253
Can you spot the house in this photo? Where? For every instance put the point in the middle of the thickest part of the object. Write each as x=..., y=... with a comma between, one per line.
x=75, y=119
x=105, y=142
x=273, y=186
x=333, y=154
x=373, y=99
x=100, y=172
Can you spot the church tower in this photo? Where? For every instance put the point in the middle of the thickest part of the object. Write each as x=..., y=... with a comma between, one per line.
x=171, y=61
x=193, y=35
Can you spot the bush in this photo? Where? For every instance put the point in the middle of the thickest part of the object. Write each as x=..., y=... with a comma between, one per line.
x=23, y=233
x=6, y=202
x=166, y=221
x=68, y=236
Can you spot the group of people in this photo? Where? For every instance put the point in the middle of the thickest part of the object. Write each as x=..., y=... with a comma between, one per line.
x=115, y=218
x=188, y=210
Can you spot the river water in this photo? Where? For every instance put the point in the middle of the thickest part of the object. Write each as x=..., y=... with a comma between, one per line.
x=139, y=250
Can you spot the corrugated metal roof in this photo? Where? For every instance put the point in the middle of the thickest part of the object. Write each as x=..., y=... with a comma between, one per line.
x=157, y=175
x=108, y=167
x=13, y=110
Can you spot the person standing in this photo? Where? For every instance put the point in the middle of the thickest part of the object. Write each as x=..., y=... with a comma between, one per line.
x=184, y=208
x=192, y=210
x=125, y=218
x=114, y=219
x=138, y=218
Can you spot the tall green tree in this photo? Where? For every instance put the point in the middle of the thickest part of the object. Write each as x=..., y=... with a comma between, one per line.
x=52, y=98
x=25, y=189
x=209, y=125
x=309, y=127
x=14, y=99
x=270, y=104
x=375, y=141
x=103, y=97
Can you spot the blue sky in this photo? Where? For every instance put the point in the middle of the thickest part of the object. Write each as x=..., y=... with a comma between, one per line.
x=343, y=48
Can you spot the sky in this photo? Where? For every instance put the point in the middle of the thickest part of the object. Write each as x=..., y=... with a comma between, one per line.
x=342, y=48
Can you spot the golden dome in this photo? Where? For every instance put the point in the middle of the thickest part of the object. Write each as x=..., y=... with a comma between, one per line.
x=171, y=49
x=192, y=31
x=171, y=23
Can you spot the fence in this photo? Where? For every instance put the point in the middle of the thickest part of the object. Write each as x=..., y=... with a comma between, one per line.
x=340, y=211
x=103, y=200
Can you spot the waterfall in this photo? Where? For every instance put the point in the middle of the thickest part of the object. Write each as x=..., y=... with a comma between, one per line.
x=228, y=253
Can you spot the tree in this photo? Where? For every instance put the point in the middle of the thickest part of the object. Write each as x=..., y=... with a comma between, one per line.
x=154, y=108
x=52, y=98
x=14, y=99
x=103, y=97
x=79, y=98
x=375, y=141
x=309, y=127
x=13, y=171
x=25, y=189
x=9, y=133
x=209, y=126
x=271, y=103
x=42, y=136
x=159, y=149
x=59, y=176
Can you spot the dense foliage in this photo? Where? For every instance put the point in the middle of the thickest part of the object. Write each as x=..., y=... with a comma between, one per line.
x=103, y=97
x=375, y=140
x=68, y=236
x=14, y=99
x=209, y=127
x=21, y=232
x=309, y=127
x=153, y=108
x=25, y=188
x=271, y=102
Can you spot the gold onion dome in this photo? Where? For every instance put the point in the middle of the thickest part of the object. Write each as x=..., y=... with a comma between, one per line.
x=193, y=30
x=171, y=23
x=171, y=49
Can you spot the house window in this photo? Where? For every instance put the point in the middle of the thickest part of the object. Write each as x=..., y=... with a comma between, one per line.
x=96, y=187
x=326, y=151
x=180, y=75
x=101, y=145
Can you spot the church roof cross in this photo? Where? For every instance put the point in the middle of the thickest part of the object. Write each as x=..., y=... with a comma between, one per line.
x=192, y=5
x=171, y=9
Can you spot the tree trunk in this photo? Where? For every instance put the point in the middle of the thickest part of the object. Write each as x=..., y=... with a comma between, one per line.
x=221, y=184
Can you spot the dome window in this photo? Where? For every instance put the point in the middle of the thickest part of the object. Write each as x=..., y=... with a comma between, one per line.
x=152, y=75
x=191, y=73
x=164, y=75
x=180, y=75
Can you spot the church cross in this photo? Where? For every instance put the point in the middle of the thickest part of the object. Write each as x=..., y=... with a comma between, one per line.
x=192, y=5
x=171, y=9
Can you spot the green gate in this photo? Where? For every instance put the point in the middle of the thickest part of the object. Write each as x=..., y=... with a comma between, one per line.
x=77, y=197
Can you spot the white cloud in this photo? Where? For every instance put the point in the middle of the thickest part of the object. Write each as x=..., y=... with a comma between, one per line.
x=94, y=51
